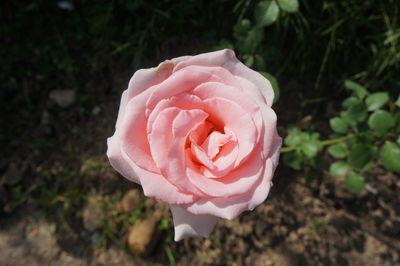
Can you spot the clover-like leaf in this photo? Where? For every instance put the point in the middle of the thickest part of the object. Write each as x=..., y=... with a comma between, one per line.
x=359, y=90
x=339, y=168
x=390, y=156
x=294, y=137
x=361, y=154
x=266, y=13
x=355, y=182
x=397, y=101
x=293, y=159
x=376, y=100
x=338, y=125
x=289, y=5
x=338, y=151
x=381, y=121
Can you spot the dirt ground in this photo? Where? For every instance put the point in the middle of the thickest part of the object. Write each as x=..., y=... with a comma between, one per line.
x=50, y=214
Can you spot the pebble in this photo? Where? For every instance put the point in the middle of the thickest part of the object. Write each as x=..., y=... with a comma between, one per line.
x=64, y=98
x=92, y=214
x=144, y=235
x=130, y=200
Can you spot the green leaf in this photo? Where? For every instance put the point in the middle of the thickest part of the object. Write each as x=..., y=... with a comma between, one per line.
x=289, y=5
x=397, y=102
x=361, y=154
x=351, y=101
x=266, y=13
x=356, y=113
x=338, y=125
x=359, y=90
x=339, y=168
x=274, y=84
x=338, y=151
x=310, y=149
x=376, y=100
x=293, y=159
x=390, y=156
x=355, y=182
x=294, y=137
x=381, y=121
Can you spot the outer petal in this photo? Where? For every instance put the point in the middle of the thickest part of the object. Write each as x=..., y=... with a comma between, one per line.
x=145, y=78
x=156, y=186
x=227, y=59
x=187, y=224
x=117, y=161
x=230, y=208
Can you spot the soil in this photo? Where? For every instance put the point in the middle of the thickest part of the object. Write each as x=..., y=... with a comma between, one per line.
x=41, y=220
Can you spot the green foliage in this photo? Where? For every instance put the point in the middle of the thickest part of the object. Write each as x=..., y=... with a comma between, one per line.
x=355, y=182
x=367, y=121
x=390, y=156
x=266, y=13
x=289, y=5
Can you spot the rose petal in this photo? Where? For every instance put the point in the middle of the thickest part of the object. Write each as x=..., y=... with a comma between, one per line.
x=226, y=113
x=187, y=79
x=230, y=208
x=187, y=224
x=183, y=124
x=227, y=59
x=237, y=182
x=117, y=161
x=156, y=186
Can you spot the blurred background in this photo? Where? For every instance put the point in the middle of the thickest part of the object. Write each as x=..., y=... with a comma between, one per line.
x=64, y=65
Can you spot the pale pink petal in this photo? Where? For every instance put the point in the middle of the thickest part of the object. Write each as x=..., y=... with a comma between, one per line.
x=143, y=79
x=122, y=106
x=189, y=225
x=183, y=101
x=117, y=161
x=186, y=80
x=225, y=113
x=231, y=207
x=160, y=136
x=276, y=149
x=239, y=95
x=227, y=59
x=133, y=133
x=237, y=182
x=156, y=186
x=214, y=142
x=175, y=172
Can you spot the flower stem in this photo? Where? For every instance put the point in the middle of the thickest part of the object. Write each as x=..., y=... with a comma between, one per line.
x=324, y=143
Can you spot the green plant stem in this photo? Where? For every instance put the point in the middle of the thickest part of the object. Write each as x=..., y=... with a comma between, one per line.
x=324, y=143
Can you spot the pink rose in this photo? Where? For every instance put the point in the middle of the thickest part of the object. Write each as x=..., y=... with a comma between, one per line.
x=198, y=132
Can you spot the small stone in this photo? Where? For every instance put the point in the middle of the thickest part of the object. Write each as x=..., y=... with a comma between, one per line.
x=130, y=200
x=96, y=110
x=93, y=214
x=64, y=98
x=144, y=235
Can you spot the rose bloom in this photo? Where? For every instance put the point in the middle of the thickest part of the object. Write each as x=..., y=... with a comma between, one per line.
x=198, y=133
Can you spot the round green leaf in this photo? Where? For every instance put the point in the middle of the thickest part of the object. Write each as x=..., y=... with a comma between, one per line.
x=339, y=168
x=351, y=101
x=361, y=154
x=390, y=156
x=359, y=90
x=376, y=100
x=294, y=137
x=338, y=151
x=397, y=102
x=274, y=84
x=266, y=13
x=310, y=149
x=381, y=121
x=338, y=125
x=289, y=5
x=355, y=182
